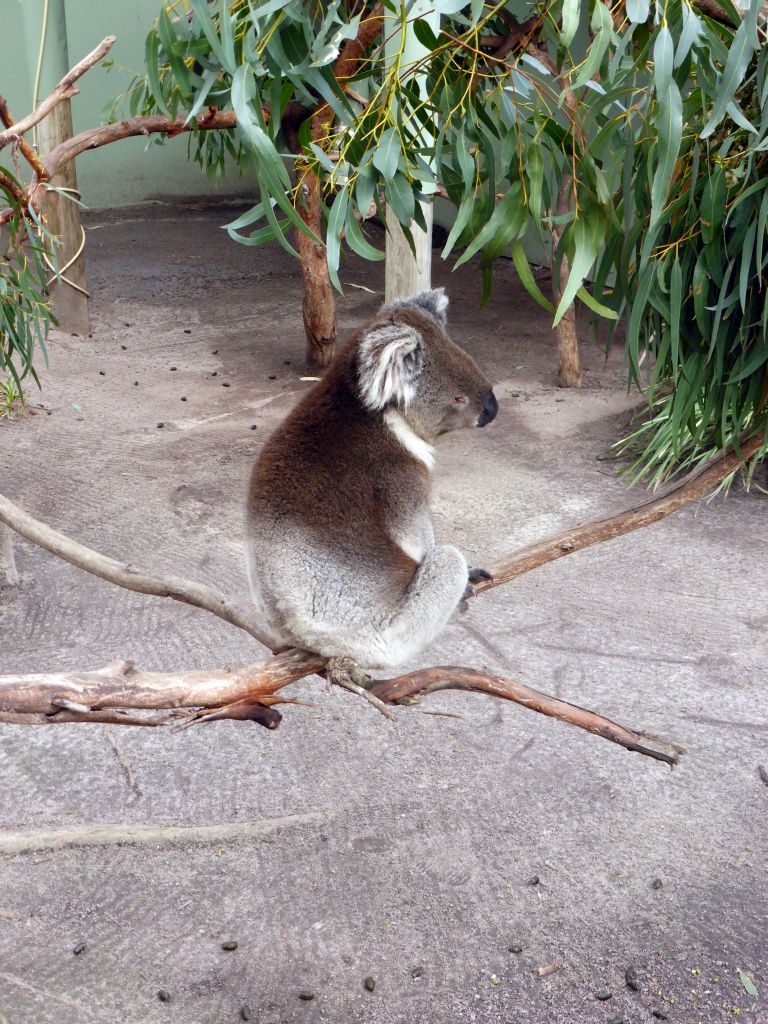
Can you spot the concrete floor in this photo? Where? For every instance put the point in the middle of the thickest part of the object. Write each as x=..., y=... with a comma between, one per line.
x=404, y=853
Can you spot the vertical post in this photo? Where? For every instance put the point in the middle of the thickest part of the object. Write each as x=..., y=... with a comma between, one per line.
x=9, y=575
x=404, y=275
x=46, y=20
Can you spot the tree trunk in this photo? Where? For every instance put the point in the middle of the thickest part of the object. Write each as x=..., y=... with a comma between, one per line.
x=568, y=362
x=319, y=304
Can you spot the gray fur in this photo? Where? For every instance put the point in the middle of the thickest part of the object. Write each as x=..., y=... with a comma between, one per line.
x=341, y=553
x=434, y=302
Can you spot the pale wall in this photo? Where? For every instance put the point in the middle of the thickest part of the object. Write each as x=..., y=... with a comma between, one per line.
x=124, y=172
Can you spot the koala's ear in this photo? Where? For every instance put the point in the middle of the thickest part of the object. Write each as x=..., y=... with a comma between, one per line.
x=434, y=302
x=391, y=358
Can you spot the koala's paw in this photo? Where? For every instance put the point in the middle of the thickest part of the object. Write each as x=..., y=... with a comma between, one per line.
x=479, y=576
x=341, y=670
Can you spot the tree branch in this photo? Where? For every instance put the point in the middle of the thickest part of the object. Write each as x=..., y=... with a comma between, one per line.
x=449, y=677
x=108, y=694
x=26, y=150
x=690, y=487
x=64, y=90
x=198, y=594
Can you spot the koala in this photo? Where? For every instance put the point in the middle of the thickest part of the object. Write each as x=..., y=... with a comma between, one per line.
x=341, y=554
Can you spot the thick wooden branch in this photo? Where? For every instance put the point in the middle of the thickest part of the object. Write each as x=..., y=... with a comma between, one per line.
x=77, y=696
x=250, y=693
x=64, y=90
x=198, y=594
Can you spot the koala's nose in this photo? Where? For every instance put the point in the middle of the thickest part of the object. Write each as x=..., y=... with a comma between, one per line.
x=490, y=408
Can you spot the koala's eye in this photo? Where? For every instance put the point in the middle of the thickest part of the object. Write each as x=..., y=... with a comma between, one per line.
x=461, y=400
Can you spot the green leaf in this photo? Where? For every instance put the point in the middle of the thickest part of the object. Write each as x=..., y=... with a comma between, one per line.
x=638, y=11
x=692, y=30
x=336, y=220
x=423, y=32
x=357, y=240
x=586, y=233
x=663, y=57
x=506, y=223
x=400, y=197
x=387, y=154
x=744, y=44
x=675, y=306
x=669, y=125
x=571, y=12
x=597, y=307
x=526, y=276
x=208, y=81
x=202, y=13
x=272, y=175
x=602, y=29
x=152, y=60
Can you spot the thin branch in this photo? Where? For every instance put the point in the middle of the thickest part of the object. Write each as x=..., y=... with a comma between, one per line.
x=450, y=677
x=198, y=594
x=10, y=185
x=26, y=150
x=64, y=90
x=692, y=486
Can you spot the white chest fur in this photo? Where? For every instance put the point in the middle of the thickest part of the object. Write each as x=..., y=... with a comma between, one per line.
x=409, y=439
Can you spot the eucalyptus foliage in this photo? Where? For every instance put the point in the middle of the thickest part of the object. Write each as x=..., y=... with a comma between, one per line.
x=25, y=306
x=655, y=112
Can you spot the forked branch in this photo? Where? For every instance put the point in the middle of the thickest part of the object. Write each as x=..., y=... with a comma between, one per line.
x=63, y=91
x=120, y=695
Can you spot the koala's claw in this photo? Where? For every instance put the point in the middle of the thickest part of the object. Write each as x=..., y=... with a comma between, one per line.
x=480, y=576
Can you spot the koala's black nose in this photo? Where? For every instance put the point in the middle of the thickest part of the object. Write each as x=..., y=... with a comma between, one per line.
x=490, y=408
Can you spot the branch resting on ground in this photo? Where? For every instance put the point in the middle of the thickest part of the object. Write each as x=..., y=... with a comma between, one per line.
x=110, y=694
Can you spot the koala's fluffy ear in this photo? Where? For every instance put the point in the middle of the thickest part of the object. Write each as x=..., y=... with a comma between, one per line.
x=391, y=357
x=434, y=302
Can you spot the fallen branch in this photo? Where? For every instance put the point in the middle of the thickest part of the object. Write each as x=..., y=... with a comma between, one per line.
x=250, y=693
x=690, y=487
x=112, y=693
x=123, y=575
x=104, y=695
x=448, y=677
x=63, y=91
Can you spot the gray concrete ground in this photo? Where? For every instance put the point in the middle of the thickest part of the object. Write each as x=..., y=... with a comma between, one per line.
x=404, y=853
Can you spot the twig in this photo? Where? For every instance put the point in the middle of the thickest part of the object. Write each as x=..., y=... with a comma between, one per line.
x=64, y=90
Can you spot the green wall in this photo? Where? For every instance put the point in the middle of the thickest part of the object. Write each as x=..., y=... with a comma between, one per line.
x=124, y=172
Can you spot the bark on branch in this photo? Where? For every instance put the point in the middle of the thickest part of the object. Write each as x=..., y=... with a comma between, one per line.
x=119, y=695
x=63, y=91
x=197, y=594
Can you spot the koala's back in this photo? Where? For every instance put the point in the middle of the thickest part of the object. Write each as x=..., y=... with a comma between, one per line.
x=324, y=500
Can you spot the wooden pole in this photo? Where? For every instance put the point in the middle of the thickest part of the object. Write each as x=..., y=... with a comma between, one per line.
x=46, y=21
x=404, y=273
